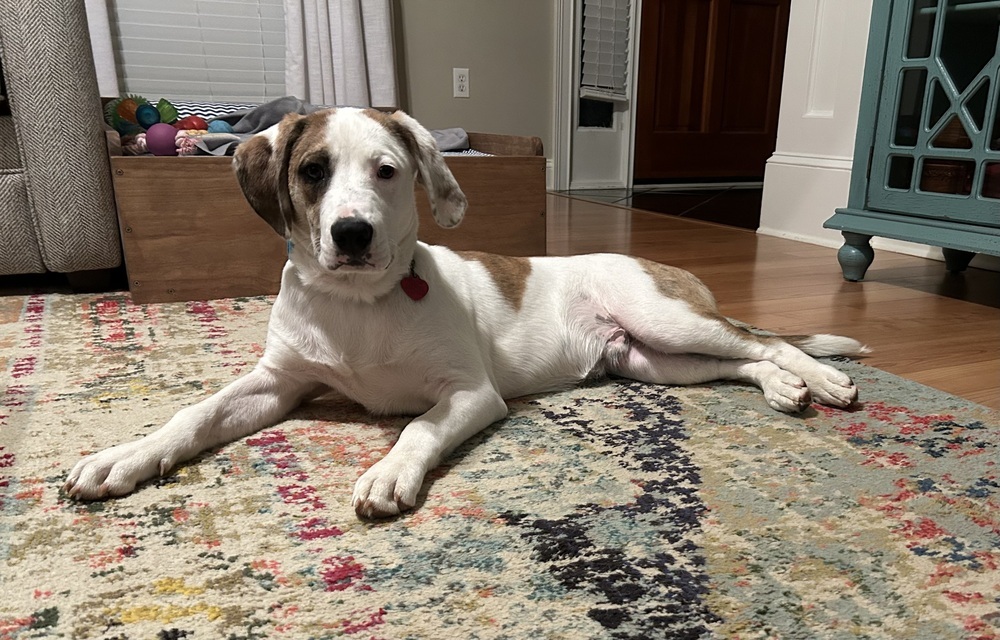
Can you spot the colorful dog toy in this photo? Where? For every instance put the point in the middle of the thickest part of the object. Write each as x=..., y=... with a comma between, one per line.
x=160, y=140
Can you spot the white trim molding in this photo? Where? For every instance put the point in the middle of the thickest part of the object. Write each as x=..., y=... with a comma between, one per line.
x=817, y=161
x=809, y=174
x=589, y=158
x=563, y=92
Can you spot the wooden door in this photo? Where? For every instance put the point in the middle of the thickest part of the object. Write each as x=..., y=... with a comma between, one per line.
x=708, y=88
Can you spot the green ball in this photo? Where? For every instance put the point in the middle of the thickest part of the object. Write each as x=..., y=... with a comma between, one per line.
x=168, y=112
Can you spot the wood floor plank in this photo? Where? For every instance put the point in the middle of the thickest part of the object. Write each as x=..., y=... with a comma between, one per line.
x=925, y=324
x=973, y=376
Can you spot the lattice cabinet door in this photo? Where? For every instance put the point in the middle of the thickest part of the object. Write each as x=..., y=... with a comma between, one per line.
x=929, y=132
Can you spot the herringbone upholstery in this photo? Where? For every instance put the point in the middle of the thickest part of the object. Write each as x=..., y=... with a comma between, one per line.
x=10, y=157
x=64, y=170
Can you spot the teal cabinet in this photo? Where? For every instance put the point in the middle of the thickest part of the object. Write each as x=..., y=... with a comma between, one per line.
x=927, y=154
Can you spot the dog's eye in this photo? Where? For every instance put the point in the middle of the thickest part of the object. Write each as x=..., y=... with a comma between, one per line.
x=313, y=172
x=385, y=172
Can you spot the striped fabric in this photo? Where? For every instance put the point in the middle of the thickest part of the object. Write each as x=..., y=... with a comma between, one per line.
x=209, y=110
x=466, y=152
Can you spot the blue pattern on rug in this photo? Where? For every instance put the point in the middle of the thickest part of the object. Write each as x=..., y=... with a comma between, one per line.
x=644, y=592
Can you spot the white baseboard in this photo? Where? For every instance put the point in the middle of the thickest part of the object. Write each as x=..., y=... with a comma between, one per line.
x=596, y=184
x=981, y=261
x=694, y=186
x=799, y=237
x=800, y=194
x=813, y=161
x=802, y=191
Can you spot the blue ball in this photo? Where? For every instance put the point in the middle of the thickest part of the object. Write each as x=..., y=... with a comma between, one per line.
x=219, y=126
x=146, y=115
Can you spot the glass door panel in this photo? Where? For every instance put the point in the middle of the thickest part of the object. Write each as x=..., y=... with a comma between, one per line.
x=937, y=139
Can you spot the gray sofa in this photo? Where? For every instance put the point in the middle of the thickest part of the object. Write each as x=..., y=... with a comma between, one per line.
x=57, y=207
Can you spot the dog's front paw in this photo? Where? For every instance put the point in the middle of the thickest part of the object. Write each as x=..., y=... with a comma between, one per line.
x=388, y=488
x=116, y=471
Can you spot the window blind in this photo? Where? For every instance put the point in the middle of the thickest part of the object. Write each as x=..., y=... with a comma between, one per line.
x=220, y=50
x=605, y=43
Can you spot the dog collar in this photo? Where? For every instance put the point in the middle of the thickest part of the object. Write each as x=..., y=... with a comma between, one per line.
x=413, y=285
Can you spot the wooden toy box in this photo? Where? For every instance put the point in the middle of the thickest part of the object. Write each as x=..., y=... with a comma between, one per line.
x=188, y=233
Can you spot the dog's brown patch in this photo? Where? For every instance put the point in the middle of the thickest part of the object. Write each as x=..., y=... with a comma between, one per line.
x=262, y=169
x=311, y=147
x=395, y=127
x=312, y=137
x=509, y=274
x=681, y=285
x=257, y=173
x=447, y=200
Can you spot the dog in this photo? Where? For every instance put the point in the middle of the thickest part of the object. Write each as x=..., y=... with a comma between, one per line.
x=401, y=327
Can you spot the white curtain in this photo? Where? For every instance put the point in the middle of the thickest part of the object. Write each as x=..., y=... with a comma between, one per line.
x=340, y=52
x=100, y=42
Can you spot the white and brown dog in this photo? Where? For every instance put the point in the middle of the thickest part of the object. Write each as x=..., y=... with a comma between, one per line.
x=406, y=328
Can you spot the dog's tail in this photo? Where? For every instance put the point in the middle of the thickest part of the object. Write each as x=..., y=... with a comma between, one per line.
x=823, y=344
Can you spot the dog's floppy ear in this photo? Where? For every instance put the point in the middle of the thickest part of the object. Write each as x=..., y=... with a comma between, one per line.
x=448, y=203
x=262, y=171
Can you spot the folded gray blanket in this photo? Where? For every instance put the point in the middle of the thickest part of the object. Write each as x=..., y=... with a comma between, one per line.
x=266, y=115
x=247, y=122
x=453, y=139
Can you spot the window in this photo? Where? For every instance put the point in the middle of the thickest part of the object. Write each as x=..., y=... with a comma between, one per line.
x=222, y=50
x=605, y=41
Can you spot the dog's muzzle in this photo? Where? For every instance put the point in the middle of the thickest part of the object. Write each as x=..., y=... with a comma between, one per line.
x=352, y=238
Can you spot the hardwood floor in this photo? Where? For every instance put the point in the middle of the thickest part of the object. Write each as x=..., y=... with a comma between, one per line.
x=922, y=323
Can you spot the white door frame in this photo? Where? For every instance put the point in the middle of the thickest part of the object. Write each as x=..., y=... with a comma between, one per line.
x=563, y=90
x=565, y=75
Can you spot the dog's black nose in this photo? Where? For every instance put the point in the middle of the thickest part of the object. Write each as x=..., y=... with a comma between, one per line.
x=352, y=237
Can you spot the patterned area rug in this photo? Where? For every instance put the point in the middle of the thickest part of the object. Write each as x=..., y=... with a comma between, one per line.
x=618, y=510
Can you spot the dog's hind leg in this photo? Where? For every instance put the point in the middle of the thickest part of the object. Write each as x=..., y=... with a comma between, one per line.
x=783, y=390
x=673, y=327
x=672, y=312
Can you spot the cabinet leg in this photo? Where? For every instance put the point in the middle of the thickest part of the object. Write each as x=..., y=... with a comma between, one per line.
x=956, y=260
x=855, y=256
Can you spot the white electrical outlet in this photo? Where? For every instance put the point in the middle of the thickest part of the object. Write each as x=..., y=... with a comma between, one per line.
x=460, y=83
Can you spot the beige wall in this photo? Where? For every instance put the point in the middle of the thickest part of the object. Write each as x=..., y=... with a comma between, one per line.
x=505, y=44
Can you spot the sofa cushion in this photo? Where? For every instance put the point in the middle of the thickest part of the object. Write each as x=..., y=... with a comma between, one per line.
x=9, y=156
x=18, y=243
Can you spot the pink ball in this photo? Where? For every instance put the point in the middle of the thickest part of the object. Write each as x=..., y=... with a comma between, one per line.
x=160, y=140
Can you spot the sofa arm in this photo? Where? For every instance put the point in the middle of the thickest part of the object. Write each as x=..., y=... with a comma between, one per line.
x=57, y=112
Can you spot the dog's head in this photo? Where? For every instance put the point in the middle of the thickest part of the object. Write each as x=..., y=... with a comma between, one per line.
x=339, y=183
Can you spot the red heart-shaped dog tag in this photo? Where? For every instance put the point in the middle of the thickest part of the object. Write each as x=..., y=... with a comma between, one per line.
x=414, y=286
